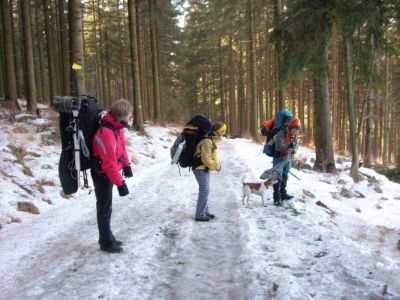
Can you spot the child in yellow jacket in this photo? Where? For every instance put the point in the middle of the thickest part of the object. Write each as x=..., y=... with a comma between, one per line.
x=207, y=151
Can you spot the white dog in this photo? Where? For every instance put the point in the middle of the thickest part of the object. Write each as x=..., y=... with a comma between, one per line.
x=259, y=188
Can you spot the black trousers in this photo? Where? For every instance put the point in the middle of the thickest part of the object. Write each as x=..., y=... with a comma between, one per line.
x=103, y=190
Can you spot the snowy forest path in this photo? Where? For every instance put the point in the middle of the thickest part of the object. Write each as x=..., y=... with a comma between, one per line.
x=207, y=260
x=167, y=254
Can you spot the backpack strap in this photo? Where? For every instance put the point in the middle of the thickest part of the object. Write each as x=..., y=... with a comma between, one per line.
x=109, y=126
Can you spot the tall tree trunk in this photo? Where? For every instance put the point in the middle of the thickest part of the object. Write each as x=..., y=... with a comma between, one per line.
x=154, y=60
x=135, y=64
x=11, y=81
x=121, y=38
x=107, y=66
x=279, y=58
x=29, y=64
x=241, y=93
x=335, y=80
x=309, y=135
x=267, y=77
x=325, y=160
x=142, y=63
x=16, y=26
x=301, y=102
x=50, y=49
x=352, y=117
x=368, y=133
x=56, y=51
x=253, y=70
x=43, y=79
x=221, y=81
x=386, y=126
x=104, y=91
x=76, y=44
x=96, y=49
x=232, y=98
x=2, y=62
x=65, y=66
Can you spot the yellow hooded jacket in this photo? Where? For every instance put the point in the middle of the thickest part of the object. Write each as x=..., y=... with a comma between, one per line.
x=208, y=152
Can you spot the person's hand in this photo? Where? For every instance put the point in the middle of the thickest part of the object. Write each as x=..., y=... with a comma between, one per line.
x=127, y=171
x=123, y=189
x=291, y=146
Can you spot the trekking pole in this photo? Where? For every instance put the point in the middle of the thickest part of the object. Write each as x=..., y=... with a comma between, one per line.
x=75, y=114
x=290, y=157
x=294, y=175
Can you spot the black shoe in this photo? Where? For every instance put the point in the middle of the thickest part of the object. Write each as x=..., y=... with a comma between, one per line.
x=112, y=248
x=211, y=216
x=286, y=197
x=118, y=243
x=277, y=203
x=203, y=219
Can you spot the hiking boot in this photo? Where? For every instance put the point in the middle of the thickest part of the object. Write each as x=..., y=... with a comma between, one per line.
x=277, y=195
x=118, y=243
x=211, y=216
x=112, y=248
x=286, y=197
x=203, y=219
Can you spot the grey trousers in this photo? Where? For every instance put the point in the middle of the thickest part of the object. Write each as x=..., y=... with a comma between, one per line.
x=203, y=179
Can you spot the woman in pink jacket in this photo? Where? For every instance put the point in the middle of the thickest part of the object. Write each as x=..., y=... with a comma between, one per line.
x=109, y=153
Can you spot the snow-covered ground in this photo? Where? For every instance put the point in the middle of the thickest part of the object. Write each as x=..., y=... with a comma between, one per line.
x=328, y=243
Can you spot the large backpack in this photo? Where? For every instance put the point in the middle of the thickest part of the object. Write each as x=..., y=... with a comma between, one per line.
x=184, y=147
x=271, y=127
x=88, y=123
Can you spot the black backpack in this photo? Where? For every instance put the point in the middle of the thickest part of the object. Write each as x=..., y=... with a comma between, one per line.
x=185, y=145
x=88, y=122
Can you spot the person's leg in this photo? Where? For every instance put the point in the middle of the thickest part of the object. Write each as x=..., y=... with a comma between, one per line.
x=285, y=177
x=203, y=179
x=276, y=186
x=103, y=190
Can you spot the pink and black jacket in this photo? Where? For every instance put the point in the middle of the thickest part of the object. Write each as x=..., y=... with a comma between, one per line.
x=109, y=149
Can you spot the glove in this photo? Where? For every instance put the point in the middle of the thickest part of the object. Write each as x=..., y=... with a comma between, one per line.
x=123, y=190
x=291, y=145
x=127, y=171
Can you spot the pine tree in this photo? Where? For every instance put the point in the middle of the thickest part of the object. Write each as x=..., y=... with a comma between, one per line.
x=76, y=44
x=29, y=63
x=11, y=81
x=304, y=34
x=138, y=112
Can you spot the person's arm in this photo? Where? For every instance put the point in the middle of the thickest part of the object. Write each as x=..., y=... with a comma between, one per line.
x=127, y=162
x=126, y=165
x=105, y=140
x=279, y=140
x=207, y=157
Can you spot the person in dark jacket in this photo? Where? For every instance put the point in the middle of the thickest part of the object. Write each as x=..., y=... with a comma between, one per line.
x=110, y=157
x=285, y=146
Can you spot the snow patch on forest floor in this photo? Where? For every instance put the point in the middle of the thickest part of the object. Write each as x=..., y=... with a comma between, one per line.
x=336, y=239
